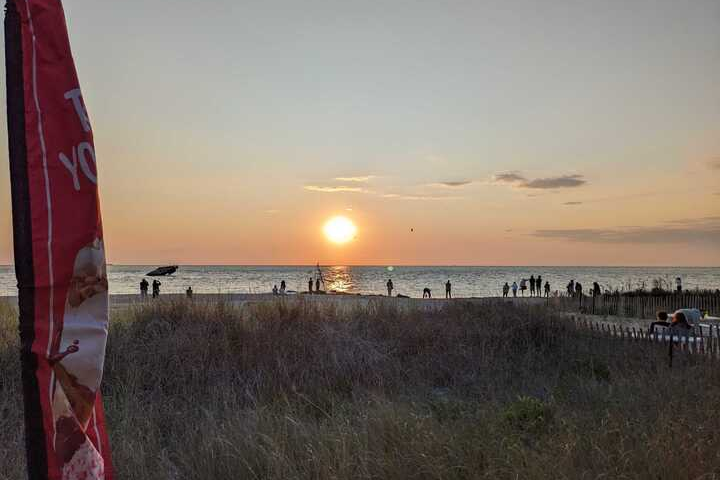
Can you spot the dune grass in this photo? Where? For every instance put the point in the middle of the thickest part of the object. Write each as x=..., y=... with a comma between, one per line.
x=296, y=390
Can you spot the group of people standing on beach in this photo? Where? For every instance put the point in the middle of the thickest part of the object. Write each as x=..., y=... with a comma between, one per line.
x=281, y=290
x=311, y=283
x=575, y=289
x=536, y=287
x=155, y=288
x=427, y=293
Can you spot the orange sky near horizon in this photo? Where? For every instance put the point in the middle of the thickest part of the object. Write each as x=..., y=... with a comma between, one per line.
x=515, y=134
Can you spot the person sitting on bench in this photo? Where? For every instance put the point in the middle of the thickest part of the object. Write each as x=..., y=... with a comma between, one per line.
x=686, y=318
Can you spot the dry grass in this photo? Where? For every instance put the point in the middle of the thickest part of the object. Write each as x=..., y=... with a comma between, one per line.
x=295, y=390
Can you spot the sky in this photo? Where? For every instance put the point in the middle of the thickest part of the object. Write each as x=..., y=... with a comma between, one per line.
x=508, y=132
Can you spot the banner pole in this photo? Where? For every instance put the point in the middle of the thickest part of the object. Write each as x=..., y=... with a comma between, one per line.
x=36, y=452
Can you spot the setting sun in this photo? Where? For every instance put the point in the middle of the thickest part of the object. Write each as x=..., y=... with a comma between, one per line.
x=339, y=230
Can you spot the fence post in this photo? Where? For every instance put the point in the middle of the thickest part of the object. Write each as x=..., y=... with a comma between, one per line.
x=642, y=307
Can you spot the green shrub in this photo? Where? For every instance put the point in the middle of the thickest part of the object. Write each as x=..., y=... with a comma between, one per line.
x=528, y=414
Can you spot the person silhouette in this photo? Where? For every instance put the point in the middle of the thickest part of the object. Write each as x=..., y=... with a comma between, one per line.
x=514, y=289
x=310, y=284
x=144, y=288
x=275, y=290
x=547, y=289
x=317, y=285
x=532, y=285
x=505, y=290
x=390, y=287
x=156, y=288
x=448, y=289
x=282, y=286
x=538, y=286
x=427, y=293
x=189, y=292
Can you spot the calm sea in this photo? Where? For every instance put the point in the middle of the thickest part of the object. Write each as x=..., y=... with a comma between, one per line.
x=466, y=281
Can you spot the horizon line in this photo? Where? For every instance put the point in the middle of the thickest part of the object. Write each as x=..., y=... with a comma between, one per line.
x=397, y=265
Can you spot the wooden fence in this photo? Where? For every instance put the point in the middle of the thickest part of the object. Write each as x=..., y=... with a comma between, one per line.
x=704, y=340
x=644, y=307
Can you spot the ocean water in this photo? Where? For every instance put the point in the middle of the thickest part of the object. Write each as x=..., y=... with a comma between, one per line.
x=466, y=281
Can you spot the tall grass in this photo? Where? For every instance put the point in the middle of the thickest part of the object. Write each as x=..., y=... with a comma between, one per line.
x=293, y=389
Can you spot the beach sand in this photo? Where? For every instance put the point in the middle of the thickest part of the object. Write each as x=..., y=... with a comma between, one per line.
x=125, y=300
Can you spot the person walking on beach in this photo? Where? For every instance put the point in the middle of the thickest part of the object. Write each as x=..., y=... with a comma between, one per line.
x=390, y=287
x=317, y=285
x=578, y=289
x=156, y=288
x=538, y=286
x=144, y=288
x=514, y=289
x=310, y=284
x=571, y=288
x=547, y=289
x=506, y=289
x=532, y=285
x=282, y=287
x=596, y=289
x=523, y=286
x=427, y=293
x=678, y=284
x=448, y=289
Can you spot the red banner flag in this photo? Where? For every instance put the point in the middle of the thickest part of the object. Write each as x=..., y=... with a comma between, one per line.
x=59, y=250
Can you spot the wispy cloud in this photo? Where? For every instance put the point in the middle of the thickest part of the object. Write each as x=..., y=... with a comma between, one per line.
x=704, y=230
x=401, y=196
x=335, y=189
x=509, y=177
x=564, y=181
x=272, y=211
x=517, y=180
x=572, y=203
x=451, y=184
x=359, y=179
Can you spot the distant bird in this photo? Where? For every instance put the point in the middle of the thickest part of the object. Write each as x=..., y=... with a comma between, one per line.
x=412, y=230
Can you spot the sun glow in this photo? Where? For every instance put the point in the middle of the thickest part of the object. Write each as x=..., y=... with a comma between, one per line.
x=339, y=230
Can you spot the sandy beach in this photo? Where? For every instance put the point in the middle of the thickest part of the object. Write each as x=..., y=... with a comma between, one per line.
x=345, y=301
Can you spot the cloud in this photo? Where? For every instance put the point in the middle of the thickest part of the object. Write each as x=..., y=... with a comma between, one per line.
x=400, y=196
x=337, y=189
x=517, y=180
x=509, y=177
x=359, y=179
x=272, y=211
x=704, y=230
x=452, y=184
x=573, y=203
x=564, y=181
